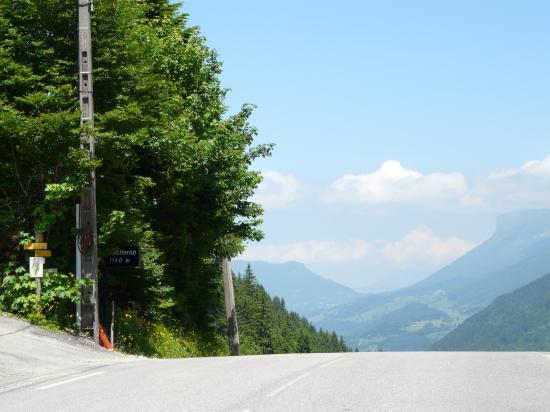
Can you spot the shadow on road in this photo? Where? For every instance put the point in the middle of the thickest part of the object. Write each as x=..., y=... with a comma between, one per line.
x=15, y=331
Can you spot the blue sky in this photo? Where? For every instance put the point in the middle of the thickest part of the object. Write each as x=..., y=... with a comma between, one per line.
x=454, y=93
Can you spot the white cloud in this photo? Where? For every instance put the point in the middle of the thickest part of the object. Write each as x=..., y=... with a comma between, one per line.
x=525, y=187
x=392, y=183
x=277, y=190
x=535, y=168
x=309, y=251
x=422, y=247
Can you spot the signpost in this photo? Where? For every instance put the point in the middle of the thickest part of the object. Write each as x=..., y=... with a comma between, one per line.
x=36, y=262
x=43, y=253
x=126, y=256
x=36, y=246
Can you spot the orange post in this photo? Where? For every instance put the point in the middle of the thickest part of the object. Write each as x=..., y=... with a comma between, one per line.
x=103, y=339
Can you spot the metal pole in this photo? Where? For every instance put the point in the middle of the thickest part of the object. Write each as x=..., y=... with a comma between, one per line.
x=230, y=311
x=113, y=323
x=88, y=211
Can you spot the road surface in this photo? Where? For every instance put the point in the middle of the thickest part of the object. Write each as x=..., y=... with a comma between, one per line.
x=71, y=376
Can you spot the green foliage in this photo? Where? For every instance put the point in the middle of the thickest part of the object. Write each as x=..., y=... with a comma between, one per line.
x=139, y=336
x=173, y=167
x=265, y=325
x=59, y=294
x=56, y=306
x=19, y=293
x=17, y=289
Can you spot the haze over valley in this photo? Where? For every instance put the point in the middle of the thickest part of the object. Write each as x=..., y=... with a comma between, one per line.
x=418, y=316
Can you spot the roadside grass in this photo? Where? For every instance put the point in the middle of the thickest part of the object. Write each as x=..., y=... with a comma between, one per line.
x=137, y=336
x=38, y=319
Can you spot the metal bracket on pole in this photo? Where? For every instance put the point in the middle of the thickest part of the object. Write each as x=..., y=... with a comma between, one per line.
x=84, y=3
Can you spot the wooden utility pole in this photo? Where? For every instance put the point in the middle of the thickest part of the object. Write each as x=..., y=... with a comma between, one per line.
x=230, y=311
x=88, y=213
x=39, y=238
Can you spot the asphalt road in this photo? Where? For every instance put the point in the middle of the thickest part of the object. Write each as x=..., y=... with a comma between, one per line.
x=91, y=380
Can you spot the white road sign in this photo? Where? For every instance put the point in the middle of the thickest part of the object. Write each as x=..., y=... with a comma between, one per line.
x=36, y=267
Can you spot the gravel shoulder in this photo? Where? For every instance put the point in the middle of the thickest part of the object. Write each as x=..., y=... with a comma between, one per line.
x=30, y=354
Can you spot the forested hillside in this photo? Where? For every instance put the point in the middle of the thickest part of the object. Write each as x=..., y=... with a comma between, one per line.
x=266, y=326
x=173, y=169
x=519, y=321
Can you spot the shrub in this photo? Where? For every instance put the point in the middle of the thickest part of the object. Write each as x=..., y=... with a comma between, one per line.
x=59, y=294
x=137, y=335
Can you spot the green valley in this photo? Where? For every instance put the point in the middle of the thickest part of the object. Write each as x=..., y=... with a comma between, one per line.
x=518, y=321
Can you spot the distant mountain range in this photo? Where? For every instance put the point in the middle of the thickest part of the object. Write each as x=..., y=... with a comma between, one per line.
x=519, y=321
x=416, y=317
x=303, y=291
x=515, y=255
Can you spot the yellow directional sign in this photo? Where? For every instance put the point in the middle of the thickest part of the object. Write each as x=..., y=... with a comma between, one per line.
x=36, y=246
x=43, y=253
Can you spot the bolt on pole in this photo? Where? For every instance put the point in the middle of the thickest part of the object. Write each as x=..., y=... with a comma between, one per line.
x=87, y=244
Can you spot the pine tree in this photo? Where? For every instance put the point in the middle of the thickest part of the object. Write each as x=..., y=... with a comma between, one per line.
x=267, y=326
